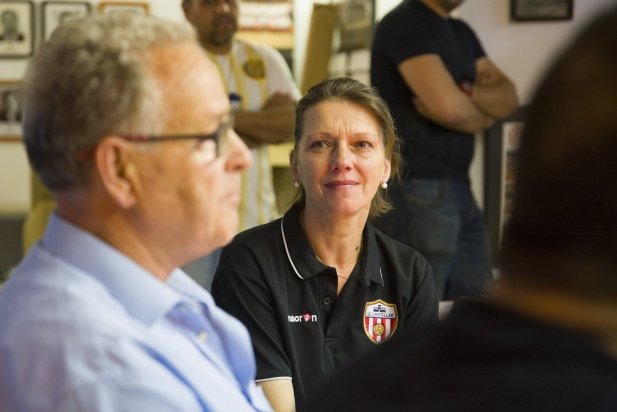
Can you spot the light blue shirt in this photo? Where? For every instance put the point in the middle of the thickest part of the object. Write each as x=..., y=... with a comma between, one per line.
x=85, y=328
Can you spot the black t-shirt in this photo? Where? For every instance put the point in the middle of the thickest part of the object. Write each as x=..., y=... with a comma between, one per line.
x=481, y=359
x=270, y=279
x=409, y=30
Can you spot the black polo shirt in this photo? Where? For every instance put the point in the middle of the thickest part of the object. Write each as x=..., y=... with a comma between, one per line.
x=269, y=278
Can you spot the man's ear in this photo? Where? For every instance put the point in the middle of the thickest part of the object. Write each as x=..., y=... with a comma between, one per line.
x=117, y=171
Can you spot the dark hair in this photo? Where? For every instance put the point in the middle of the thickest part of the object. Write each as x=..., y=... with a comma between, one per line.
x=353, y=91
x=562, y=233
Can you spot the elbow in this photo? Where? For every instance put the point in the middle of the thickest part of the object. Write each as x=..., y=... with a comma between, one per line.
x=514, y=103
x=510, y=105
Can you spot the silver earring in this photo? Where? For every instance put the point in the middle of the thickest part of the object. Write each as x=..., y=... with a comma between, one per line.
x=384, y=185
x=296, y=184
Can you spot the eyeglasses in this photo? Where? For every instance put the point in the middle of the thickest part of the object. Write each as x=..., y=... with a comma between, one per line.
x=220, y=138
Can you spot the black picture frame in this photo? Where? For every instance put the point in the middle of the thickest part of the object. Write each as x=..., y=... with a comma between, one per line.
x=541, y=10
x=11, y=109
x=16, y=29
x=356, y=19
x=500, y=164
x=53, y=13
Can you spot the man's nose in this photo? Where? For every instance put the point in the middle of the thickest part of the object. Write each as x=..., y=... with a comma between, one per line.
x=239, y=156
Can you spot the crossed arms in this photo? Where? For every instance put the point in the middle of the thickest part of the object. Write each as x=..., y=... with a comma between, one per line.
x=441, y=100
x=273, y=123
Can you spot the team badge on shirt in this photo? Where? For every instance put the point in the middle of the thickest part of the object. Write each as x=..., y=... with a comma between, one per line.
x=255, y=68
x=380, y=320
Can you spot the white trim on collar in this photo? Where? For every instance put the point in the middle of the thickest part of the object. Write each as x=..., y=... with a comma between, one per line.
x=287, y=250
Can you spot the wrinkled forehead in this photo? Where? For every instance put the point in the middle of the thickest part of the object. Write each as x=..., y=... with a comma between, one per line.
x=187, y=79
x=339, y=107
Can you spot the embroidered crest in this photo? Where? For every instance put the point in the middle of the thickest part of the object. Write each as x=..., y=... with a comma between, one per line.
x=380, y=320
x=255, y=68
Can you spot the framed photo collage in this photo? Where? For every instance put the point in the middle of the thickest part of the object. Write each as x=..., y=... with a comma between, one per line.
x=25, y=24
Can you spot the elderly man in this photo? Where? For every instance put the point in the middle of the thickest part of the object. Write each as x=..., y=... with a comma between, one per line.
x=546, y=337
x=146, y=176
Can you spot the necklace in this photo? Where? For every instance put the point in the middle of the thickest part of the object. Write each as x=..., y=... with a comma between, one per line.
x=340, y=276
x=358, y=248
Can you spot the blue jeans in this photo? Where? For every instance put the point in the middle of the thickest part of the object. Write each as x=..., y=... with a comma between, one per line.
x=441, y=220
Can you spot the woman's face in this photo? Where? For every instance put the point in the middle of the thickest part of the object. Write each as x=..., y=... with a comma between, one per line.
x=340, y=159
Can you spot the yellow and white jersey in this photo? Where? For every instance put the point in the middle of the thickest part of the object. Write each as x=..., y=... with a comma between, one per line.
x=254, y=72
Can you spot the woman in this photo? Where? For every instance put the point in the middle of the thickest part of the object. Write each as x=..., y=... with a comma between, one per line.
x=322, y=285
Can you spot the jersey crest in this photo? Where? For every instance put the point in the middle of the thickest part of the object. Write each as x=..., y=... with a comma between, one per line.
x=255, y=68
x=380, y=320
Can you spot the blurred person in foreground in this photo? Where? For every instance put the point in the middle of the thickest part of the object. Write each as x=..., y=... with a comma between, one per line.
x=146, y=176
x=545, y=339
x=321, y=285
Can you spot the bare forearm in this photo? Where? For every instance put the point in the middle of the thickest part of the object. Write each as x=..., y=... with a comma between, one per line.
x=280, y=394
x=460, y=114
x=498, y=100
x=272, y=125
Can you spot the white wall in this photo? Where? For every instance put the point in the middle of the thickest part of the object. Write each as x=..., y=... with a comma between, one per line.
x=522, y=50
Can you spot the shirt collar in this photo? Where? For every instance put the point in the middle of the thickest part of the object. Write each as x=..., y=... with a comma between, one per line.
x=305, y=264
x=143, y=295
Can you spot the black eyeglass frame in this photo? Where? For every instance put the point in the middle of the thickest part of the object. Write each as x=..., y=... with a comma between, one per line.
x=222, y=130
x=174, y=137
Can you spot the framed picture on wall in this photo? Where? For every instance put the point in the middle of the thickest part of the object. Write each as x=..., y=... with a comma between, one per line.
x=16, y=29
x=107, y=7
x=540, y=10
x=500, y=166
x=10, y=110
x=55, y=13
x=356, y=24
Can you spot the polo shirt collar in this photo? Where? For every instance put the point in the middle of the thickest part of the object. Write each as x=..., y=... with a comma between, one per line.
x=305, y=264
x=371, y=258
x=299, y=252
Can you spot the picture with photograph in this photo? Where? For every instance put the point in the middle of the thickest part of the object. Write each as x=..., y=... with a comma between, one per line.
x=540, y=10
x=10, y=109
x=16, y=29
x=55, y=13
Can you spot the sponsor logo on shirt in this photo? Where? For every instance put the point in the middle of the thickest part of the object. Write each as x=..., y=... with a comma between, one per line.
x=380, y=320
x=306, y=318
